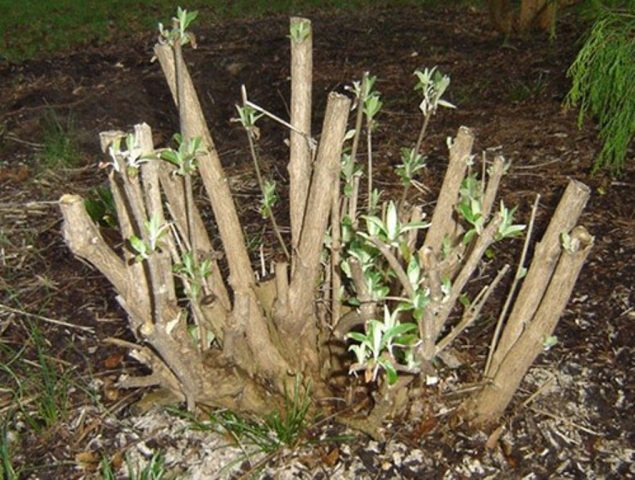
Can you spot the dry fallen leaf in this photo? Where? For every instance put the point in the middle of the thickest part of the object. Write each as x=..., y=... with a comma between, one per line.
x=113, y=361
x=87, y=460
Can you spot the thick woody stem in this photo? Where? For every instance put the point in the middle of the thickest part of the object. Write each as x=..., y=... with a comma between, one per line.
x=327, y=171
x=442, y=222
x=489, y=197
x=300, y=150
x=520, y=271
x=212, y=174
x=490, y=403
x=545, y=257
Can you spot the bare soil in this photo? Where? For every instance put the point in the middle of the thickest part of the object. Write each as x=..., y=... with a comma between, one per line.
x=573, y=417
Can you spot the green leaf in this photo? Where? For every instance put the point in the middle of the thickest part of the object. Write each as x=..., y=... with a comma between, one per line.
x=391, y=373
x=374, y=225
x=413, y=271
x=464, y=300
x=360, y=337
x=392, y=221
x=139, y=247
x=170, y=156
x=399, y=329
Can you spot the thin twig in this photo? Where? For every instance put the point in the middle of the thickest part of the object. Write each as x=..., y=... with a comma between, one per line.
x=45, y=319
x=311, y=140
x=472, y=312
x=512, y=290
x=395, y=265
x=261, y=183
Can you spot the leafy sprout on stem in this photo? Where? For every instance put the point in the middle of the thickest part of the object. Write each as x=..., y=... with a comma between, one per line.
x=389, y=229
x=179, y=32
x=507, y=229
x=432, y=85
x=269, y=198
x=300, y=31
x=195, y=273
x=376, y=347
x=184, y=158
x=155, y=233
x=470, y=207
x=411, y=163
x=131, y=158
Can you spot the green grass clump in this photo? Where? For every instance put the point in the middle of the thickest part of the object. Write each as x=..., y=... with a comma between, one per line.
x=267, y=435
x=7, y=469
x=39, y=389
x=603, y=86
x=60, y=146
x=153, y=470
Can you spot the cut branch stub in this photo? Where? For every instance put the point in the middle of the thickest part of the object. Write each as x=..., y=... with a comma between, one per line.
x=300, y=149
x=545, y=257
x=325, y=180
x=488, y=405
x=85, y=241
x=212, y=174
x=442, y=223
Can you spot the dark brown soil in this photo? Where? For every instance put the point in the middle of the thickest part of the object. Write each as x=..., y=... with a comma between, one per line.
x=509, y=94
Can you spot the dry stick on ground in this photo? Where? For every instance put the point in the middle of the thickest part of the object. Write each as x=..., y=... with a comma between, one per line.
x=545, y=257
x=490, y=403
x=299, y=148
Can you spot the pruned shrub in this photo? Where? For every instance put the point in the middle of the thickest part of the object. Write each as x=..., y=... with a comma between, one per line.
x=375, y=291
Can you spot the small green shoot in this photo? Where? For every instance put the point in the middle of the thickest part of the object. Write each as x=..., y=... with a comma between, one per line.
x=194, y=273
x=432, y=85
x=300, y=31
x=179, y=32
x=269, y=199
x=507, y=229
x=129, y=159
x=184, y=157
x=376, y=347
x=155, y=232
x=389, y=229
